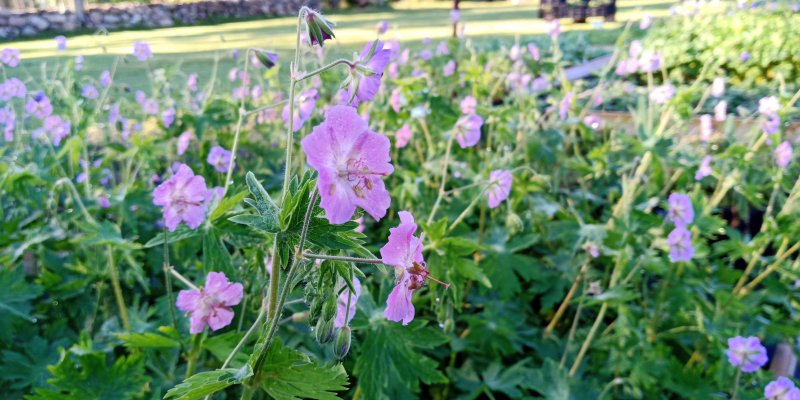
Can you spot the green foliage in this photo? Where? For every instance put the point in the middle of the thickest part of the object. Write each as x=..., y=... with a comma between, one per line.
x=205, y=383
x=292, y=375
x=83, y=373
x=392, y=364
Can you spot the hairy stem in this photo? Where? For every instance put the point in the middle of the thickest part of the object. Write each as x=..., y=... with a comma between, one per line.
x=112, y=270
x=168, y=281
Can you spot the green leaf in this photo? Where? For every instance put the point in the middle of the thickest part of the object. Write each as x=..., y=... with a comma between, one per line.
x=181, y=233
x=15, y=297
x=471, y=270
x=86, y=375
x=147, y=340
x=226, y=205
x=261, y=201
x=215, y=255
x=291, y=375
x=200, y=385
x=390, y=364
x=28, y=367
x=105, y=233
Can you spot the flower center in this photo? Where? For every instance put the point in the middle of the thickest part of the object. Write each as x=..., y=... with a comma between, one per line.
x=359, y=175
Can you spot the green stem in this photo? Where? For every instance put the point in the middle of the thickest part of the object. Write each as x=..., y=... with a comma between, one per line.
x=112, y=270
x=168, y=282
x=237, y=132
x=325, y=68
x=444, y=178
x=735, y=390
x=194, y=354
x=343, y=258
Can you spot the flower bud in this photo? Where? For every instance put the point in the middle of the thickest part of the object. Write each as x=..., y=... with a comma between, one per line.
x=449, y=325
x=341, y=345
x=314, y=311
x=514, y=223
x=268, y=59
x=324, y=331
x=329, y=309
x=318, y=28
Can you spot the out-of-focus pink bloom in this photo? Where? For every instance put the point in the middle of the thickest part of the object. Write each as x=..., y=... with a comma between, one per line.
x=304, y=108
x=514, y=53
x=105, y=78
x=61, y=42
x=783, y=154
x=554, y=28
x=704, y=170
x=150, y=107
x=534, y=51
x=183, y=142
x=103, y=200
x=211, y=305
x=449, y=68
x=592, y=121
x=57, y=128
x=746, y=353
x=563, y=107
x=718, y=87
x=499, y=187
x=10, y=57
x=402, y=136
x=468, y=105
x=141, y=50
x=365, y=76
x=662, y=94
x=635, y=49
x=646, y=21
x=39, y=106
x=744, y=56
x=769, y=105
x=191, y=82
x=350, y=160
x=168, y=117
x=781, y=389
x=680, y=210
x=89, y=92
x=397, y=99
x=442, y=49
x=455, y=16
x=772, y=124
x=680, y=245
x=219, y=158
x=649, y=61
x=706, y=127
x=382, y=27
x=468, y=130
x=721, y=111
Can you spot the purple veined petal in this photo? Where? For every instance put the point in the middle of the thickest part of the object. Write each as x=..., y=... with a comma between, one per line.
x=500, y=187
x=403, y=248
x=219, y=317
x=398, y=305
x=188, y=300
x=198, y=322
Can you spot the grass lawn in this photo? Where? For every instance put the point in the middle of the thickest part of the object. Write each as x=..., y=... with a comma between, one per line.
x=195, y=47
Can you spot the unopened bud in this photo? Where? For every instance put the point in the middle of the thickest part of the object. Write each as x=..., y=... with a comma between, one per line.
x=314, y=311
x=449, y=324
x=318, y=28
x=268, y=59
x=329, y=309
x=514, y=223
x=324, y=330
x=341, y=345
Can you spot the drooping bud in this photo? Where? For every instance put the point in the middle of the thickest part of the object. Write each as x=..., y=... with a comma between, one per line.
x=341, y=345
x=329, y=308
x=324, y=330
x=267, y=58
x=318, y=28
x=514, y=223
x=314, y=311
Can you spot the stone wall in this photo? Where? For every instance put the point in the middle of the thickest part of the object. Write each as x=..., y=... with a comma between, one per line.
x=118, y=16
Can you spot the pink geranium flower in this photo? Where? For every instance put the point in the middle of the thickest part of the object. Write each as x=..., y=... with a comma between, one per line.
x=183, y=142
x=219, y=158
x=182, y=198
x=350, y=160
x=783, y=154
x=746, y=353
x=211, y=305
x=468, y=130
x=365, y=74
x=468, y=105
x=404, y=252
x=141, y=50
x=499, y=187
x=402, y=136
x=303, y=109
